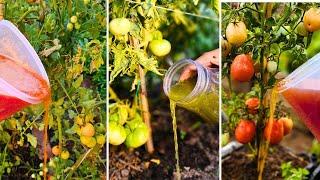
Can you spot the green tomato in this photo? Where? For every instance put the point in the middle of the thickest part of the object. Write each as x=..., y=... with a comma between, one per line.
x=86, y=2
x=314, y=47
x=69, y=26
x=77, y=26
x=74, y=19
x=301, y=30
x=117, y=133
x=272, y=66
x=120, y=26
x=160, y=47
x=138, y=136
x=225, y=139
x=284, y=61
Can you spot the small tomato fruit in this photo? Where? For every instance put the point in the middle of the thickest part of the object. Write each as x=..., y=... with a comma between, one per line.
x=236, y=33
x=272, y=66
x=242, y=68
x=56, y=150
x=245, y=131
x=160, y=47
x=311, y=19
x=274, y=132
x=65, y=155
x=287, y=125
x=88, y=130
x=119, y=26
x=117, y=133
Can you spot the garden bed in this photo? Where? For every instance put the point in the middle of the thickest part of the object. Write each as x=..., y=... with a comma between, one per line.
x=238, y=165
x=198, y=150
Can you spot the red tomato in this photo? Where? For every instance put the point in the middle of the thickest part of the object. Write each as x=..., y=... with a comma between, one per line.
x=245, y=131
x=253, y=103
x=242, y=68
x=274, y=133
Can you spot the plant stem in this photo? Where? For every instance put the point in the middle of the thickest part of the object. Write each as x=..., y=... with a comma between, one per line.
x=145, y=108
x=2, y=2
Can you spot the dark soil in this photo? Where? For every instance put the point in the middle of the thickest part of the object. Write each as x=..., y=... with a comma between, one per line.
x=240, y=166
x=198, y=150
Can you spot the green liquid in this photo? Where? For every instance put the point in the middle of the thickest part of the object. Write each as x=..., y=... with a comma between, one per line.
x=175, y=136
x=205, y=104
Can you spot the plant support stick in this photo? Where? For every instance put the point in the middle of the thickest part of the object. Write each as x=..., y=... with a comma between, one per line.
x=145, y=108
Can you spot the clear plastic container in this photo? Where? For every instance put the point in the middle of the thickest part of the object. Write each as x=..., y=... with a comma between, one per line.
x=23, y=79
x=302, y=91
x=199, y=93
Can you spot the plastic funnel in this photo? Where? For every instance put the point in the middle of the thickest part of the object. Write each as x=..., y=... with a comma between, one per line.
x=302, y=90
x=23, y=79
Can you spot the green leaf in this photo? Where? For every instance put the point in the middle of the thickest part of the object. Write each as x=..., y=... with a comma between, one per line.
x=32, y=140
x=150, y=64
x=78, y=82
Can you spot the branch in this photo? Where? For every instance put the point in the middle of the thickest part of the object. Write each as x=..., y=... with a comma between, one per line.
x=2, y=2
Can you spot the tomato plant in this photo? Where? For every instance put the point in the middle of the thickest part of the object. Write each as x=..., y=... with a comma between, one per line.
x=277, y=38
x=69, y=37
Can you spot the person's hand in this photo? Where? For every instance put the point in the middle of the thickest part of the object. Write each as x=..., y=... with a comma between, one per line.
x=207, y=59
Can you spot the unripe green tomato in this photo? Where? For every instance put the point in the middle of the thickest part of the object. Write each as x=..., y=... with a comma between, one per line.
x=117, y=133
x=86, y=2
x=225, y=139
x=100, y=128
x=301, y=30
x=77, y=26
x=138, y=136
x=74, y=19
x=272, y=66
x=284, y=61
x=120, y=26
x=160, y=47
x=70, y=26
x=314, y=47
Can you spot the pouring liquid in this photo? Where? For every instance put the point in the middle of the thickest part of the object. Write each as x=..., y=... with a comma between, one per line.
x=205, y=105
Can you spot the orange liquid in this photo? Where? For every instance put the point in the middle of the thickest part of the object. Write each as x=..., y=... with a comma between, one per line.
x=29, y=82
x=306, y=104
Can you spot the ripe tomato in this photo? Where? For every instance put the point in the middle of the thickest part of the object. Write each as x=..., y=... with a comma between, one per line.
x=311, y=19
x=236, y=33
x=301, y=30
x=88, y=130
x=245, y=131
x=252, y=105
x=274, y=133
x=65, y=155
x=272, y=66
x=56, y=150
x=287, y=125
x=117, y=133
x=242, y=68
x=226, y=47
x=160, y=47
x=119, y=26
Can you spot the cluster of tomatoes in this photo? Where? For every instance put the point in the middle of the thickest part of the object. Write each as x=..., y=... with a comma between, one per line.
x=120, y=27
x=274, y=130
x=90, y=136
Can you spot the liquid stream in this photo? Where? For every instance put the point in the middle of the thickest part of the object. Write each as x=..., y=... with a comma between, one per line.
x=205, y=105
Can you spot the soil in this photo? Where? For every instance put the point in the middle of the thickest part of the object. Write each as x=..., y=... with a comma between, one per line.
x=198, y=150
x=239, y=165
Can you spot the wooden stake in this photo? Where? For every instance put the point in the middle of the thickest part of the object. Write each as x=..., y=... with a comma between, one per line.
x=145, y=108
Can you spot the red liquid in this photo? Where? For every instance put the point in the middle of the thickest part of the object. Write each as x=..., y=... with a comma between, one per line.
x=306, y=103
x=22, y=78
x=10, y=105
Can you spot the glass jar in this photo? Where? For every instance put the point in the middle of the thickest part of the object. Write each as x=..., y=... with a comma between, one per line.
x=199, y=93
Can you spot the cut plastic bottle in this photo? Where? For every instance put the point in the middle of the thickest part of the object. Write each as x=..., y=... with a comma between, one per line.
x=23, y=79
